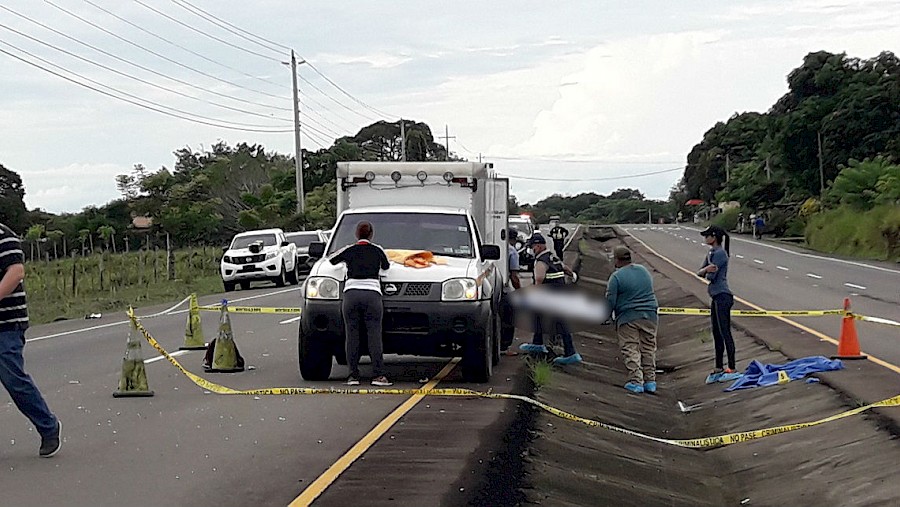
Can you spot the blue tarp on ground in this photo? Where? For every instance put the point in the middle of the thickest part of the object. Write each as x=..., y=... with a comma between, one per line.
x=761, y=375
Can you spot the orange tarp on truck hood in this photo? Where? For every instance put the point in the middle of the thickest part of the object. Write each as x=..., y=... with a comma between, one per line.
x=414, y=258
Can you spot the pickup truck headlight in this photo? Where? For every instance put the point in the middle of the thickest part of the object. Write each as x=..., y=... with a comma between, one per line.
x=271, y=255
x=226, y=259
x=459, y=289
x=322, y=287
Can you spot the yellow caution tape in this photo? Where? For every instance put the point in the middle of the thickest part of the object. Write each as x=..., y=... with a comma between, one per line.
x=250, y=309
x=753, y=313
x=696, y=443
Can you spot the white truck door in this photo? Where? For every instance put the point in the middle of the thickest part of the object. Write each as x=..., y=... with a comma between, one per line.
x=496, y=224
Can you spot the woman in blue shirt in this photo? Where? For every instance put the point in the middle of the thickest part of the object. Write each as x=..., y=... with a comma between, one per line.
x=715, y=269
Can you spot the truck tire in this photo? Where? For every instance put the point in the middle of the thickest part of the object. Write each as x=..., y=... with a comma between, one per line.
x=314, y=358
x=280, y=279
x=293, y=278
x=229, y=286
x=477, y=361
x=495, y=340
x=245, y=285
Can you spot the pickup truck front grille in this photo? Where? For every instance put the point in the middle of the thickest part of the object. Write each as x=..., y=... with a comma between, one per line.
x=417, y=289
x=248, y=259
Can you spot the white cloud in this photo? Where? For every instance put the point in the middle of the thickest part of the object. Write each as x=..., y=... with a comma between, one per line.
x=379, y=60
x=72, y=187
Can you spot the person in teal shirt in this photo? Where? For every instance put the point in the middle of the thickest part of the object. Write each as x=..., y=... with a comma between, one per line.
x=634, y=306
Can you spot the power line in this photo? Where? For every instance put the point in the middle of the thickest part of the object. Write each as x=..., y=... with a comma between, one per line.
x=158, y=55
x=611, y=178
x=201, y=32
x=202, y=15
x=282, y=46
x=313, y=86
x=149, y=83
x=211, y=122
x=175, y=44
x=345, y=92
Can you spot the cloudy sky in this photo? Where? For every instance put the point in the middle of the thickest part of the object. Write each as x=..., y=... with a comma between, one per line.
x=577, y=95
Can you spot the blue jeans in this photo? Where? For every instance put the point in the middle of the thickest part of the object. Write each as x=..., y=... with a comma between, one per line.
x=19, y=384
x=560, y=328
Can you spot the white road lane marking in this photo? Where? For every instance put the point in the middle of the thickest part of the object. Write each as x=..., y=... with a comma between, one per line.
x=173, y=354
x=739, y=256
x=854, y=286
x=813, y=275
x=119, y=323
x=782, y=268
x=295, y=319
x=758, y=261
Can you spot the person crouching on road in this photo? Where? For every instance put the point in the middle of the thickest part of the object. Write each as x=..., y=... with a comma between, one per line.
x=13, y=323
x=634, y=305
x=715, y=269
x=550, y=272
x=362, y=307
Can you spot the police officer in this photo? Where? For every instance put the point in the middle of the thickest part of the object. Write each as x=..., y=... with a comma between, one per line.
x=559, y=234
x=550, y=272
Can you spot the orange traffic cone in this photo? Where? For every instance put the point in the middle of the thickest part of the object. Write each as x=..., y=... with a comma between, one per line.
x=848, y=347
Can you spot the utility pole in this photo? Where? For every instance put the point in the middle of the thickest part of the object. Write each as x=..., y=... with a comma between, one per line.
x=821, y=167
x=403, y=140
x=298, y=152
x=447, y=137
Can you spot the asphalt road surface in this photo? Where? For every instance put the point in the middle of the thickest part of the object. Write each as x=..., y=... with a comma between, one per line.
x=779, y=277
x=185, y=446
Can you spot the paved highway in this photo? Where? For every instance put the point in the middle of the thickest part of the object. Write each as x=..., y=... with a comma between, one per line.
x=779, y=277
x=186, y=446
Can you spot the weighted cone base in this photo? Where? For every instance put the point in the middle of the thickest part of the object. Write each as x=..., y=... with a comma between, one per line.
x=132, y=394
x=192, y=347
x=220, y=370
x=850, y=358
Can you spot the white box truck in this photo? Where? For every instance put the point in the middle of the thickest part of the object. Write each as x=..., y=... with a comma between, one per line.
x=456, y=210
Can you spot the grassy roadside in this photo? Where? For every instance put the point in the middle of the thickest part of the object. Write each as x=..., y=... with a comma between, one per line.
x=74, y=287
x=855, y=233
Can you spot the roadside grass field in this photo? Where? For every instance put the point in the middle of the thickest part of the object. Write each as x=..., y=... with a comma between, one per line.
x=75, y=287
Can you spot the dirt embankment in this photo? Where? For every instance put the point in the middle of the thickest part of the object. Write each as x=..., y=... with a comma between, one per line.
x=849, y=462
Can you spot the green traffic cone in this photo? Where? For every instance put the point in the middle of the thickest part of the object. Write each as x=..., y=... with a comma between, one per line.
x=133, y=380
x=225, y=355
x=193, y=330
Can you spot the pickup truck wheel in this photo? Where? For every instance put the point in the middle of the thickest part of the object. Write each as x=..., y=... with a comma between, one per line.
x=495, y=340
x=314, y=359
x=477, y=358
x=292, y=276
x=229, y=286
x=245, y=285
x=280, y=279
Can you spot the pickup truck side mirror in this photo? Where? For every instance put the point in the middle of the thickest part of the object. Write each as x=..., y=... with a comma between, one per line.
x=316, y=250
x=490, y=252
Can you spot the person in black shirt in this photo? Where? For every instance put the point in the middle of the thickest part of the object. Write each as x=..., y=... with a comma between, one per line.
x=13, y=323
x=559, y=234
x=362, y=307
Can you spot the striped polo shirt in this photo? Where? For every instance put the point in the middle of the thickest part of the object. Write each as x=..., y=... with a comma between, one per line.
x=13, y=310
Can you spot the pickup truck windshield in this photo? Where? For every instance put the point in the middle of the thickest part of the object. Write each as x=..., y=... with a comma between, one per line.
x=522, y=226
x=245, y=241
x=302, y=240
x=447, y=235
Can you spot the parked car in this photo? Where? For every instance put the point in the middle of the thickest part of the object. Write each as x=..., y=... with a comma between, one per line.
x=301, y=240
x=259, y=255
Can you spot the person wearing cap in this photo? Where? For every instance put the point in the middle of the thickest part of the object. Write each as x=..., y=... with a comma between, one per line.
x=634, y=305
x=507, y=333
x=558, y=234
x=715, y=269
x=550, y=272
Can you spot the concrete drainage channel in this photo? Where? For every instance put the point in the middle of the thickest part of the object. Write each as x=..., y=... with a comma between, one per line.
x=551, y=461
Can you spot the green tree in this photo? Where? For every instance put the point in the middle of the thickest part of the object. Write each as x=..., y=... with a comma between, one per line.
x=55, y=236
x=34, y=235
x=864, y=184
x=12, y=204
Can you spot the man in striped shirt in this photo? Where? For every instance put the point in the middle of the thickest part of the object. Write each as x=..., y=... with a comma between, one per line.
x=13, y=323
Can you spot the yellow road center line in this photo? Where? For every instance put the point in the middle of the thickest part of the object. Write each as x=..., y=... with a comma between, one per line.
x=343, y=463
x=880, y=362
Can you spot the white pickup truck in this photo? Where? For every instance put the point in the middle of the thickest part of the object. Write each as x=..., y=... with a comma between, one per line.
x=259, y=255
x=457, y=211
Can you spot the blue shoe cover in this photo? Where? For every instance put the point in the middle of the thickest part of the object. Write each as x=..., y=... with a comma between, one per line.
x=650, y=387
x=574, y=358
x=634, y=387
x=530, y=347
